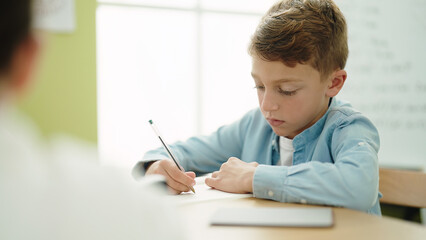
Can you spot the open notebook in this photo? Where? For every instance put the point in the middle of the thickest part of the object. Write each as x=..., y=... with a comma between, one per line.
x=205, y=193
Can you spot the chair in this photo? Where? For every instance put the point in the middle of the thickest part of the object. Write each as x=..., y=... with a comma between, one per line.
x=404, y=194
x=403, y=187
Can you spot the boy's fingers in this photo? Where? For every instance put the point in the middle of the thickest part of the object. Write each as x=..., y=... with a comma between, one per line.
x=191, y=174
x=177, y=180
x=175, y=187
x=211, y=182
x=179, y=187
x=177, y=175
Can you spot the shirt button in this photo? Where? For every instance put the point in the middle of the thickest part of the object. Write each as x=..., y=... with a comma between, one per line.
x=270, y=193
x=361, y=143
x=303, y=201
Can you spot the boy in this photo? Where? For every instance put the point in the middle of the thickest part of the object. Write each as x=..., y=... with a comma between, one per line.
x=43, y=199
x=302, y=145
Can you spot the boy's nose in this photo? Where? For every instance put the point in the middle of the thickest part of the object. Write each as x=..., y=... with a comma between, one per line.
x=268, y=103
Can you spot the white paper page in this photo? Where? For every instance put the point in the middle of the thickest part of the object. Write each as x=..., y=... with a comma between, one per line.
x=205, y=193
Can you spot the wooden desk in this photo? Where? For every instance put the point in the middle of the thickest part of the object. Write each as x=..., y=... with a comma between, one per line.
x=348, y=224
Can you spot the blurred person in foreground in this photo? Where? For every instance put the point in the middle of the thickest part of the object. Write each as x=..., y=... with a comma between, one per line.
x=42, y=197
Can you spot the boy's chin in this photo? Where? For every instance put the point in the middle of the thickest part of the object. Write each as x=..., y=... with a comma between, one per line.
x=283, y=132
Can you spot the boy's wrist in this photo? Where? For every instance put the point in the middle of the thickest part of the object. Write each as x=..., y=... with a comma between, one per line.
x=141, y=168
x=147, y=165
x=250, y=178
x=249, y=183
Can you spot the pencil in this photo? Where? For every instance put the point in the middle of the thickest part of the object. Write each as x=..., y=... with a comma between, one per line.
x=169, y=152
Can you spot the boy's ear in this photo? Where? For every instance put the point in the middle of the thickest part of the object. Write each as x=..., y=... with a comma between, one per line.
x=336, y=82
x=23, y=62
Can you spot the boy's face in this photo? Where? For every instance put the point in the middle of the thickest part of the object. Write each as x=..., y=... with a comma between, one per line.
x=291, y=99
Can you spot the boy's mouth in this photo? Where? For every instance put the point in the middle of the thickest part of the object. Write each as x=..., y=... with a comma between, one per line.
x=274, y=122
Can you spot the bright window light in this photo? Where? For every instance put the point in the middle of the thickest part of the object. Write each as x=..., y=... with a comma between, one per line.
x=185, y=67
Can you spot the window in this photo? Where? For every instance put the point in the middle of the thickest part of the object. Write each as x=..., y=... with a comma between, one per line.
x=184, y=64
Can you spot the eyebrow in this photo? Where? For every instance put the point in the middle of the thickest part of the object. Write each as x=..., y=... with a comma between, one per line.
x=279, y=80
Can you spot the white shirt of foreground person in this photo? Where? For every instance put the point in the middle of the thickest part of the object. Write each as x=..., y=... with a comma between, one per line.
x=43, y=197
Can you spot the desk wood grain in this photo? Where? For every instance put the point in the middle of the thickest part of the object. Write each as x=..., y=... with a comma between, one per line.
x=348, y=224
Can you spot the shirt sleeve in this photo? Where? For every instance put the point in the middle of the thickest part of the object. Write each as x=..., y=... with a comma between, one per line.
x=349, y=180
x=205, y=154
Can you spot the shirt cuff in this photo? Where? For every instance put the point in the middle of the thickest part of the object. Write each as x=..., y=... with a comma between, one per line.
x=269, y=182
x=139, y=169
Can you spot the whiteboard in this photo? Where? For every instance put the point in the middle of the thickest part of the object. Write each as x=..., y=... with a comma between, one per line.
x=386, y=74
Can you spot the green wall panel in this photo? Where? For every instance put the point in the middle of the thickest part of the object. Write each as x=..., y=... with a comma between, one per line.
x=62, y=98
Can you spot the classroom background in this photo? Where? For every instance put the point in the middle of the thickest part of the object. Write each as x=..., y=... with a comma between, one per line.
x=185, y=65
x=115, y=64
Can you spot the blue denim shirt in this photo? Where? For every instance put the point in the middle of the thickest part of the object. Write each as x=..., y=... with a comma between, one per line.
x=334, y=163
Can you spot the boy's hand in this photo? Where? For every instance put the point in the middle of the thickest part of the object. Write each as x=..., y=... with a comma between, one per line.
x=177, y=180
x=234, y=176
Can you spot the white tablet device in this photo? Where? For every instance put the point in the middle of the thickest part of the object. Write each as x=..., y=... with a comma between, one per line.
x=275, y=217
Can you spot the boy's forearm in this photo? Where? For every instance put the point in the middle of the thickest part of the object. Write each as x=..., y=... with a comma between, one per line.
x=324, y=183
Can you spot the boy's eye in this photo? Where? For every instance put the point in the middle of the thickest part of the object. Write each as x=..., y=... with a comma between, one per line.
x=258, y=87
x=287, y=93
